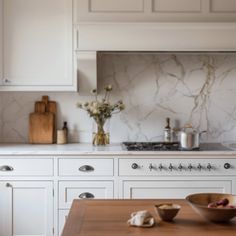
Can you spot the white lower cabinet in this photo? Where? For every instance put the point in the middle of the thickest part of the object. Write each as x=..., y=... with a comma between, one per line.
x=80, y=189
x=62, y=217
x=26, y=208
x=134, y=189
x=29, y=206
x=70, y=190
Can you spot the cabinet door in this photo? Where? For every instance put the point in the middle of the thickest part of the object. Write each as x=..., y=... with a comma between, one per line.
x=37, y=37
x=173, y=189
x=62, y=217
x=26, y=208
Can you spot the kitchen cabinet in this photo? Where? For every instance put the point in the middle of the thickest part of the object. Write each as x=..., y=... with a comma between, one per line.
x=36, y=45
x=85, y=167
x=164, y=177
x=83, y=178
x=40, y=188
x=69, y=190
x=26, y=208
x=62, y=217
x=156, y=10
x=81, y=189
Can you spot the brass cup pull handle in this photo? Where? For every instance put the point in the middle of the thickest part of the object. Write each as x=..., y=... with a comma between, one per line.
x=6, y=168
x=86, y=168
x=86, y=195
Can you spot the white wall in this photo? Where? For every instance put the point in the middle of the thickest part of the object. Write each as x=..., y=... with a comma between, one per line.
x=199, y=88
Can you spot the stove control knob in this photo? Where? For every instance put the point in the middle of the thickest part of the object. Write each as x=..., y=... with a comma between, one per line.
x=171, y=167
x=151, y=167
x=227, y=166
x=199, y=167
x=190, y=167
x=180, y=167
x=161, y=167
x=134, y=166
x=209, y=166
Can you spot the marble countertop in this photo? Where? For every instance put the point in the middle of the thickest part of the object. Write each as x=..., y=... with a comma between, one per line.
x=108, y=150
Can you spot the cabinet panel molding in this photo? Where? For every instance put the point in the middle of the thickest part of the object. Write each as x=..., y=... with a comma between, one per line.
x=178, y=188
x=177, y=6
x=116, y=6
x=225, y=6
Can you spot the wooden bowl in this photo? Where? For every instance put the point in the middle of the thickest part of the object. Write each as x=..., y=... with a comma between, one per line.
x=167, y=211
x=199, y=202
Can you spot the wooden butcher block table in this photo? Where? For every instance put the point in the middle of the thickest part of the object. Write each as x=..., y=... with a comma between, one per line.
x=109, y=218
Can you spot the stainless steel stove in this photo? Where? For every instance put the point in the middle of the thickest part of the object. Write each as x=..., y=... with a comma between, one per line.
x=170, y=146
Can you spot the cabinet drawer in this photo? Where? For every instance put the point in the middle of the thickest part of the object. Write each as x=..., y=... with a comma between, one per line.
x=86, y=167
x=70, y=190
x=26, y=167
x=177, y=189
x=169, y=166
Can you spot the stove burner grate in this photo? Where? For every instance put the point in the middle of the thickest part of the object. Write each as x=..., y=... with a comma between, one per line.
x=152, y=146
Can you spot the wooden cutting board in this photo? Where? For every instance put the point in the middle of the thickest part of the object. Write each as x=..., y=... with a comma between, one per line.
x=42, y=123
x=41, y=127
x=51, y=106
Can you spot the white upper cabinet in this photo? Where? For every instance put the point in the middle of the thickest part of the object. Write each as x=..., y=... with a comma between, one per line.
x=36, y=45
x=156, y=10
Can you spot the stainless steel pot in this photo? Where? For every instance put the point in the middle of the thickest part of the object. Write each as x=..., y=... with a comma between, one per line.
x=189, y=138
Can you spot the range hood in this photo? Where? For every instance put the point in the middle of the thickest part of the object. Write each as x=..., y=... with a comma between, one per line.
x=157, y=36
x=147, y=37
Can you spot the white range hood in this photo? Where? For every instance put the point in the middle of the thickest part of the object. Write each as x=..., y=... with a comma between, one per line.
x=157, y=36
x=147, y=37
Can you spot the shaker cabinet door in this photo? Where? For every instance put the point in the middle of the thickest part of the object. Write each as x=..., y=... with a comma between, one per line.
x=26, y=208
x=37, y=45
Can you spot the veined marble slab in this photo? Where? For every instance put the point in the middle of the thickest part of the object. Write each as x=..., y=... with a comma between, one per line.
x=85, y=149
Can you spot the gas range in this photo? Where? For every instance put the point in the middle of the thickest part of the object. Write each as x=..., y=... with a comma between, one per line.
x=170, y=146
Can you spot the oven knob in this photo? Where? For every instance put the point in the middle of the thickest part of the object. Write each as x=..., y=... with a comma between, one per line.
x=199, y=167
x=134, y=166
x=227, y=166
x=151, y=167
x=171, y=167
x=190, y=167
x=161, y=167
x=209, y=167
x=180, y=167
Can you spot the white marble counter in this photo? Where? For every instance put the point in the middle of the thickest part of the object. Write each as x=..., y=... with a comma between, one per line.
x=88, y=149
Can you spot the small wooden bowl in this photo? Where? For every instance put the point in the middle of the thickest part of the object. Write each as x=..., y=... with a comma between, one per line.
x=199, y=202
x=167, y=211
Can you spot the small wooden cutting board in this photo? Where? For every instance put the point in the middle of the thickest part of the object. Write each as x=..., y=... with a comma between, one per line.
x=41, y=126
x=42, y=123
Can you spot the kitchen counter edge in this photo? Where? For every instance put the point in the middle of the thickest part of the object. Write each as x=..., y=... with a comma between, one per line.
x=86, y=149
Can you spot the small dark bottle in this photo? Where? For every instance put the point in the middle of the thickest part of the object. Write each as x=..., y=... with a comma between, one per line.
x=65, y=128
x=167, y=131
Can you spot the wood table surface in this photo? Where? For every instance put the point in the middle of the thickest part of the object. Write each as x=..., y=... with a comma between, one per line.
x=109, y=218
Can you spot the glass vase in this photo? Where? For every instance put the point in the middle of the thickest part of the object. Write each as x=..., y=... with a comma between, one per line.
x=101, y=135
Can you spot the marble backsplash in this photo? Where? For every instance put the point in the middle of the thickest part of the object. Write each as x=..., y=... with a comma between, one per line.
x=187, y=87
